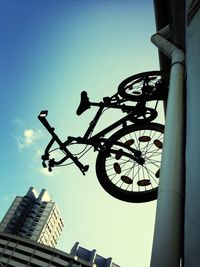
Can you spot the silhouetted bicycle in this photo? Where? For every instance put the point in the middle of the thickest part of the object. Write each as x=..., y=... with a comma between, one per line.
x=128, y=162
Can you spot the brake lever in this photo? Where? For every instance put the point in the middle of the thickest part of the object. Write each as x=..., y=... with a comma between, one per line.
x=44, y=158
x=44, y=165
x=51, y=164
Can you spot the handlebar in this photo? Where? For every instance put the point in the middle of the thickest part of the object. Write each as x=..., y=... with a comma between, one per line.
x=51, y=162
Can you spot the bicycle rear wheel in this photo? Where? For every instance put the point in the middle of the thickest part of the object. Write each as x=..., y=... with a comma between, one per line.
x=117, y=171
x=151, y=85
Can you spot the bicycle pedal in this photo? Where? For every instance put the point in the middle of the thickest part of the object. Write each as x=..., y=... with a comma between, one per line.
x=86, y=168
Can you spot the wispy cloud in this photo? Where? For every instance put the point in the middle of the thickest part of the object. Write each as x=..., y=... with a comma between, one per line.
x=28, y=138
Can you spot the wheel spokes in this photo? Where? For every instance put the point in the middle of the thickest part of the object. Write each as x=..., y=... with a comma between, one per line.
x=144, y=177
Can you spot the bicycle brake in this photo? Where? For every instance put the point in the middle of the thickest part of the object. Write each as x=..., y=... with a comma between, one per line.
x=51, y=164
x=44, y=158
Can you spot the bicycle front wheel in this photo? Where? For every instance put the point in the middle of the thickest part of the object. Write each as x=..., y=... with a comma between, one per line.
x=146, y=86
x=120, y=174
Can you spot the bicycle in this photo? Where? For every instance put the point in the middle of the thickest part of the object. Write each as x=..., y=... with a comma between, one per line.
x=128, y=162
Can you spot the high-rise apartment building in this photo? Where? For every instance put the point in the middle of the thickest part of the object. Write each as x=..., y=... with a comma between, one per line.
x=35, y=217
x=29, y=232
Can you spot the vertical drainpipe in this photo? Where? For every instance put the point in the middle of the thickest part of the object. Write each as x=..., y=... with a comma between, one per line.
x=166, y=251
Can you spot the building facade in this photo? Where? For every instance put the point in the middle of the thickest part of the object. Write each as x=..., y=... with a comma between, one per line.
x=35, y=217
x=29, y=232
x=91, y=256
x=16, y=251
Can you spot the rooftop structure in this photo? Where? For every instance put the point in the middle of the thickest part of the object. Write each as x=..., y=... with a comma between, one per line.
x=35, y=217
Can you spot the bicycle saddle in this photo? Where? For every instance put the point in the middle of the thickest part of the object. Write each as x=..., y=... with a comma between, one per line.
x=84, y=103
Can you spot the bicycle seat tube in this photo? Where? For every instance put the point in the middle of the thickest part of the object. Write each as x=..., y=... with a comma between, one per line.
x=93, y=123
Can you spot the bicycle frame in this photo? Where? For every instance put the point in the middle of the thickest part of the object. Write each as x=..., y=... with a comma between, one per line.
x=95, y=141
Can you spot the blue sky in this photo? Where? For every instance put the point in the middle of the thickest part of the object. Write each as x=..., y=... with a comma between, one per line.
x=50, y=51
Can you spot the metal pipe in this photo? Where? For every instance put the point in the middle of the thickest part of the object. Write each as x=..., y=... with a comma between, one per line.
x=166, y=249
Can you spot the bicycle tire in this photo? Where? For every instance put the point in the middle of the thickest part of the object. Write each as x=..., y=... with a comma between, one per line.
x=112, y=172
x=131, y=87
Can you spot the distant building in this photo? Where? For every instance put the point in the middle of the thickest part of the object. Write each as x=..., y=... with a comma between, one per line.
x=16, y=251
x=34, y=217
x=29, y=232
x=91, y=256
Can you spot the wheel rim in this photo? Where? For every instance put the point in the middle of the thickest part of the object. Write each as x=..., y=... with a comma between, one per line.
x=126, y=179
x=142, y=86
